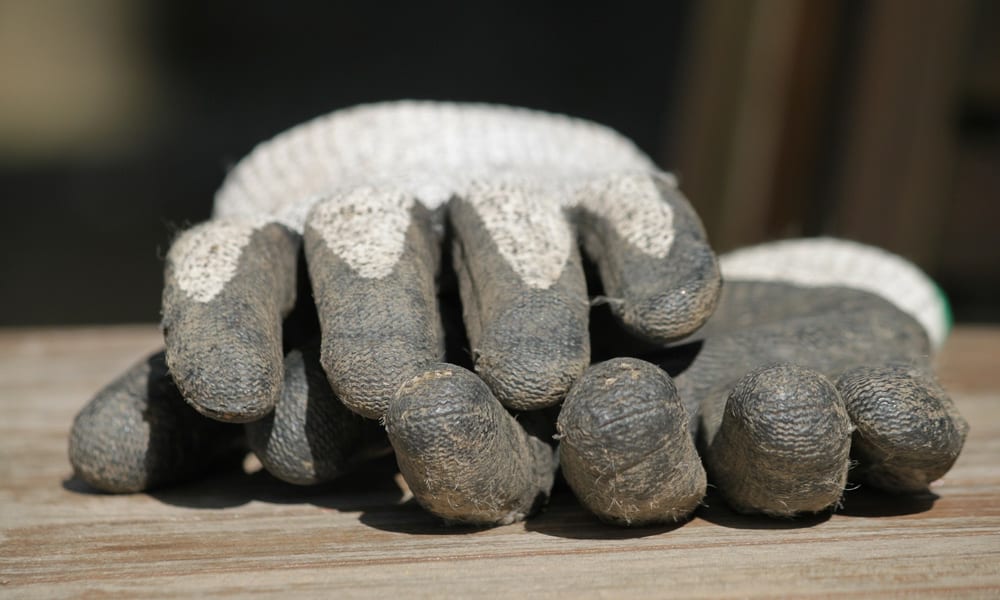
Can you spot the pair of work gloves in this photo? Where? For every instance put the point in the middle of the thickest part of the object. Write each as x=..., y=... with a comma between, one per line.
x=809, y=366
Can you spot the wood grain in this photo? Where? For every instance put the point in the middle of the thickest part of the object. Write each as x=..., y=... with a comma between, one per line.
x=247, y=534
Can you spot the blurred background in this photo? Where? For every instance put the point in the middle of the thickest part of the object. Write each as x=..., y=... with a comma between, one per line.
x=878, y=121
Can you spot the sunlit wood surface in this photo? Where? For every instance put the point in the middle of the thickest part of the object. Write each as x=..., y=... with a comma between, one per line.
x=247, y=534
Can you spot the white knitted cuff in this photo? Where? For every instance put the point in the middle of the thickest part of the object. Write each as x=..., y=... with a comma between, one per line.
x=431, y=150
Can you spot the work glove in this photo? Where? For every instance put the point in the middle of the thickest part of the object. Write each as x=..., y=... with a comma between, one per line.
x=817, y=359
x=814, y=370
x=371, y=194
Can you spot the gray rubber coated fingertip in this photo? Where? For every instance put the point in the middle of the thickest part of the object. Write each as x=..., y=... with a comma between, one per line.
x=783, y=445
x=228, y=380
x=137, y=434
x=625, y=448
x=464, y=457
x=311, y=437
x=532, y=353
x=659, y=297
x=909, y=432
x=381, y=328
x=527, y=324
x=668, y=307
x=224, y=348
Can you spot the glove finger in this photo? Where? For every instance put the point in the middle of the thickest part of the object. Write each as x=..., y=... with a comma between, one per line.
x=625, y=448
x=373, y=255
x=776, y=437
x=227, y=288
x=524, y=297
x=311, y=437
x=137, y=434
x=659, y=274
x=465, y=458
x=781, y=444
x=909, y=432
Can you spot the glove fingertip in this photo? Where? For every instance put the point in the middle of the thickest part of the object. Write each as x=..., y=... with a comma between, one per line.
x=137, y=434
x=464, y=457
x=625, y=447
x=227, y=289
x=653, y=255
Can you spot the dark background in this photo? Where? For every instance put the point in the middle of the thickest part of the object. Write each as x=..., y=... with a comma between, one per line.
x=878, y=121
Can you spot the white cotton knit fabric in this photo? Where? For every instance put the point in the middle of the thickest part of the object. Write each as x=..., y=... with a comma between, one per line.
x=365, y=167
x=431, y=150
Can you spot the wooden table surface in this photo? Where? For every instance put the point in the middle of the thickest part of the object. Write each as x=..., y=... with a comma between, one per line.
x=246, y=533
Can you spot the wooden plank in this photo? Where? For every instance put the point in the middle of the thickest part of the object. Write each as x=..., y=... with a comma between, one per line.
x=246, y=534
